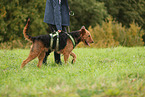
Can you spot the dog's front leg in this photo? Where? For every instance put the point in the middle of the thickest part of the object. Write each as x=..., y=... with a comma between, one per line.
x=74, y=57
x=66, y=56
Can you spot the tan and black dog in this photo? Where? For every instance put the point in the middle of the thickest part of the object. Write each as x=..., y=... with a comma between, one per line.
x=41, y=44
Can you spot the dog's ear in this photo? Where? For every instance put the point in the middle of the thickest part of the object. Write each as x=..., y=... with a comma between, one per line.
x=83, y=30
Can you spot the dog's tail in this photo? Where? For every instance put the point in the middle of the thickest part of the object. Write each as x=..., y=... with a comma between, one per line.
x=27, y=37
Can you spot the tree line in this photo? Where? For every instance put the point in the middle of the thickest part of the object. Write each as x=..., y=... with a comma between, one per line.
x=13, y=15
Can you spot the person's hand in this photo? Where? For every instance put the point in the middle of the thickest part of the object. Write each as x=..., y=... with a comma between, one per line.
x=59, y=31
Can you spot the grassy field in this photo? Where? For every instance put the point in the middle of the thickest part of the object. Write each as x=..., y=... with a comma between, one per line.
x=106, y=72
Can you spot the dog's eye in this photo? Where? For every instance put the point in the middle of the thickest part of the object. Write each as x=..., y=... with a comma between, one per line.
x=88, y=35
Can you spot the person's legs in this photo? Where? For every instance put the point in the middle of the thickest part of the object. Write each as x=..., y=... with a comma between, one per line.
x=52, y=29
x=57, y=58
x=64, y=28
x=46, y=55
x=56, y=55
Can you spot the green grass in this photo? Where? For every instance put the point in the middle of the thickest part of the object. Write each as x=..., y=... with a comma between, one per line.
x=107, y=72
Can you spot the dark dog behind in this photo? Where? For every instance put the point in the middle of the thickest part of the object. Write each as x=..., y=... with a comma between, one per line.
x=41, y=44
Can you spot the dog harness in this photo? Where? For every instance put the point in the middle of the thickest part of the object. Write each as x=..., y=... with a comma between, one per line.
x=71, y=38
x=57, y=40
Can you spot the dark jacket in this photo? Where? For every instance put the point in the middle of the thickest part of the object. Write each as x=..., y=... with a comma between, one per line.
x=57, y=13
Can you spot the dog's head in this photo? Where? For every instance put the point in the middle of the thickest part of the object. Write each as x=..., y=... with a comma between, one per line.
x=86, y=36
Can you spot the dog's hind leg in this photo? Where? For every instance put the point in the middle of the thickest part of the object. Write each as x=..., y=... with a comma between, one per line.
x=31, y=56
x=34, y=52
x=41, y=57
x=74, y=57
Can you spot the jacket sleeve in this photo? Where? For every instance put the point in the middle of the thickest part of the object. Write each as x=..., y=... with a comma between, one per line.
x=57, y=14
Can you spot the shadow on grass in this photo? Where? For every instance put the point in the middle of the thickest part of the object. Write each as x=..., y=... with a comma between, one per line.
x=88, y=93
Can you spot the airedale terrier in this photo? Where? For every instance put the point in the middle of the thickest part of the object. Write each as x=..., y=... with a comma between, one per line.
x=41, y=44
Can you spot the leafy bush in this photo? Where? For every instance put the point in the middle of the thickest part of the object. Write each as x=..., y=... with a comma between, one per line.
x=133, y=36
x=112, y=33
x=15, y=44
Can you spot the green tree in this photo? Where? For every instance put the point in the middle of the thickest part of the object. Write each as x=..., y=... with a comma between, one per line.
x=127, y=11
x=87, y=12
x=13, y=16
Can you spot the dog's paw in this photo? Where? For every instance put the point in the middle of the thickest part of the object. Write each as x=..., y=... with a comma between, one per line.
x=73, y=61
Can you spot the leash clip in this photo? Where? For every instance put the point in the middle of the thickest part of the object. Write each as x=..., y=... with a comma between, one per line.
x=71, y=13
